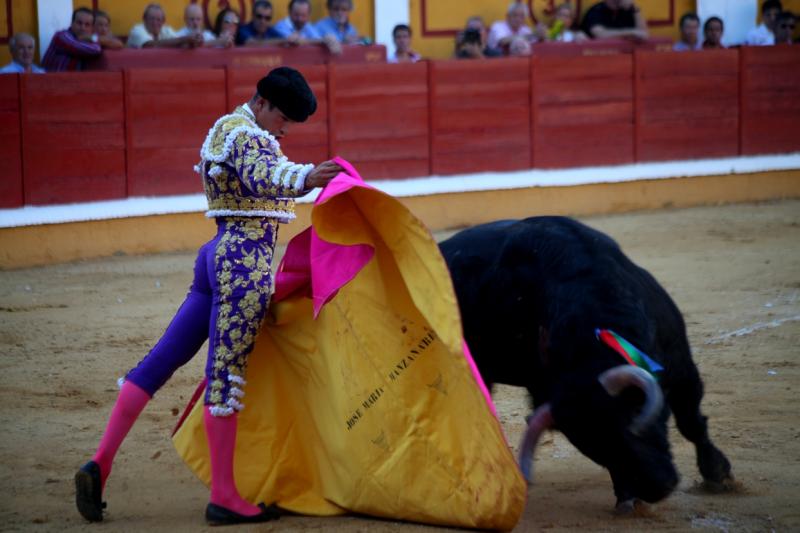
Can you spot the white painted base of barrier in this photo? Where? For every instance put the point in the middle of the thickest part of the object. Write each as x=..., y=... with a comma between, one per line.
x=484, y=181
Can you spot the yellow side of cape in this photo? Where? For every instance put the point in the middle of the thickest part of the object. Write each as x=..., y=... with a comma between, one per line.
x=372, y=407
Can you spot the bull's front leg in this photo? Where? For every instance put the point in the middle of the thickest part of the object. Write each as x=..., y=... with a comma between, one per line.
x=626, y=501
x=684, y=399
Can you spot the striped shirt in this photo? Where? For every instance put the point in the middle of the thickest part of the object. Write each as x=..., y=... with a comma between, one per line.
x=67, y=52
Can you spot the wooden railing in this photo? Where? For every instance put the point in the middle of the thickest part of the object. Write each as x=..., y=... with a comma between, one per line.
x=263, y=57
x=99, y=135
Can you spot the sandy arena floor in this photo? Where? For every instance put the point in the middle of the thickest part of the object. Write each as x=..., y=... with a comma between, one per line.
x=67, y=332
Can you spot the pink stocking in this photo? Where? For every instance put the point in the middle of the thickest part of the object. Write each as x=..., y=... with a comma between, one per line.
x=221, y=433
x=130, y=403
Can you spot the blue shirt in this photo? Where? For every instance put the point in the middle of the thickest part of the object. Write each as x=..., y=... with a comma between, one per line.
x=14, y=68
x=329, y=26
x=285, y=28
x=247, y=31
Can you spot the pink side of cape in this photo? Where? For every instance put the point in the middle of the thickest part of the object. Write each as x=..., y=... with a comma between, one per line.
x=320, y=268
x=326, y=266
x=478, y=378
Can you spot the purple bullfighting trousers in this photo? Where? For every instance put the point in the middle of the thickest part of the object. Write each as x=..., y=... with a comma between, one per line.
x=226, y=304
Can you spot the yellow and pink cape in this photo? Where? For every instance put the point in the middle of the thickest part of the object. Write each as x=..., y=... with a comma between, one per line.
x=361, y=396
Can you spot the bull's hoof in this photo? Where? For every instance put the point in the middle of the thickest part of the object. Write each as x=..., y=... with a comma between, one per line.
x=713, y=465
x=633, y=508
x=626, y=507
x=720, y=487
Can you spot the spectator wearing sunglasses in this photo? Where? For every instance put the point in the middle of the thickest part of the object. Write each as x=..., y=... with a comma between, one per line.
x=259, y=30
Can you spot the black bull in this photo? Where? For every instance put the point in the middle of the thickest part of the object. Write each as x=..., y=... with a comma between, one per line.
x=532, y=294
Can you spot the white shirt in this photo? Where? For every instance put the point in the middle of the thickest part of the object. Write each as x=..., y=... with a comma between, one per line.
x=183, y=32
x=760, y=36
x=139, y=35
x=501, y=30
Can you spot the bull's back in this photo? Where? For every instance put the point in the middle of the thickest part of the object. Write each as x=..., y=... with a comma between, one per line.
x=511, y=277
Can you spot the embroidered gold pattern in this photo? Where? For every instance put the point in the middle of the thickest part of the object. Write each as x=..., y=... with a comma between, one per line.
x=242, y=259
x=244, y=170
x=250, y=186
x=231, y=203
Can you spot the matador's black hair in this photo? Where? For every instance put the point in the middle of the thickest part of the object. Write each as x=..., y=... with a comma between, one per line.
x=286, y=89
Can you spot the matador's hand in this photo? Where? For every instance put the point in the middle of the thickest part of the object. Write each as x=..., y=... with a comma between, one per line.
x=322, y=174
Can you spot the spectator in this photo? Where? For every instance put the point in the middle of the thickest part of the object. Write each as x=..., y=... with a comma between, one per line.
x=563, y=28
x=22, y=48
x=259, y=30
x=764, y=33
x=690, y=29
x=70, y=48
x=615, y=19
x=503, y=31
x=477, y=23
x=784, y=27
x=712, y=31
x=470, y=45
x=153, y=33
x=296, y=27
x=102, y=31
x=337, y=23
x=402, y=44
x=193, y=20
x=519, y=47
x=226, y=25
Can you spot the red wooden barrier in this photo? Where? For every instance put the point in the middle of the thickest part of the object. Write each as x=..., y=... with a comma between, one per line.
x=98, y=135
x=306, y=142
x=687, y=105
x=480, y=115
x=379, y=118
x=10, y=142
x=73, y=137
x=601, y=47
x=266, y=57
x=169, y=113
x=770, y=110
x=582, y=111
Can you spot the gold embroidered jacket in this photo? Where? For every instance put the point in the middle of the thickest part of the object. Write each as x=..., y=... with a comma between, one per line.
x=245, y=172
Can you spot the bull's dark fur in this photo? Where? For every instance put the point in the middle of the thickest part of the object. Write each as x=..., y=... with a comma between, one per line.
x=531, y=294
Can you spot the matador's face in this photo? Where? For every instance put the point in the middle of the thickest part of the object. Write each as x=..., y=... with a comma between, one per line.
x=270, y=118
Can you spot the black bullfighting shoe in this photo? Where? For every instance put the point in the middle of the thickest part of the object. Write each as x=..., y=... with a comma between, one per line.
x=89, y=492
x=219, y=516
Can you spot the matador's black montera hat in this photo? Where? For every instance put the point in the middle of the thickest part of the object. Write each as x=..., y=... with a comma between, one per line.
x=286, y=89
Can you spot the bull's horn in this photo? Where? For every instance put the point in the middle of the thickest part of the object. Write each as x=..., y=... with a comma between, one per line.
x=617, y=379
x=542, y=419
